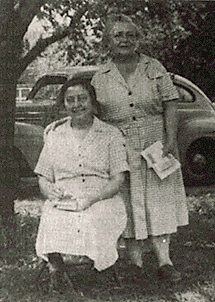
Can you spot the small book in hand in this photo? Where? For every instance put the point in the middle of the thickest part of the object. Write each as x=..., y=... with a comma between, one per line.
x=67, y=204
x=163, y=166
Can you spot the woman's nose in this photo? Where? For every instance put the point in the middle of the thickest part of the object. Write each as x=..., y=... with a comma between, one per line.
x=124, y=37
x=75, y=104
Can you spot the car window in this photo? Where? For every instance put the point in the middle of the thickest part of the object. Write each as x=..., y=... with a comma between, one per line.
x=185, y=95
x=22, y=93
x=48, y=92
x=25, y=92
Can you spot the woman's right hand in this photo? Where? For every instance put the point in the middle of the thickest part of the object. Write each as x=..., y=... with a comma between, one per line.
x=49, y=189
x=55, y=193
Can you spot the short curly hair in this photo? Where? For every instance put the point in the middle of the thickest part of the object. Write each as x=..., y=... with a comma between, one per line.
x=111, y=20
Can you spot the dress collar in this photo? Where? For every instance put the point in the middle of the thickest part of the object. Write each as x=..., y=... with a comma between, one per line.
x=96, y=126
x=109, y=66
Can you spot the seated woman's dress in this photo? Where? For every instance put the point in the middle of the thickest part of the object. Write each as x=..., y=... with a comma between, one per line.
x=80, y=169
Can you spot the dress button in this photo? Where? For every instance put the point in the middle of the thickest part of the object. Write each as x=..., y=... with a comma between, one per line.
x=80, y=165
x=78, y=231
x=83, y=180
x=129, y=93
x=131, y=105
x=134, y=118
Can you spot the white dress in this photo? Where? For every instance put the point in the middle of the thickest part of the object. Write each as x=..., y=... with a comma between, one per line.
x=79, y=170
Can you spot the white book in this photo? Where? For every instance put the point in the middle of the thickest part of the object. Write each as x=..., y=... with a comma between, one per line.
x=66, y=206
x=163, y=166
x=69, y=203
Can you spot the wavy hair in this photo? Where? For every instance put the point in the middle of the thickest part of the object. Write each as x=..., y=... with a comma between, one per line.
x=111, y=20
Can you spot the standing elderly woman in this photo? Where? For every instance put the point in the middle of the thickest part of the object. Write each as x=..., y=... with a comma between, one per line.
x=136, y=94
x=81, y=169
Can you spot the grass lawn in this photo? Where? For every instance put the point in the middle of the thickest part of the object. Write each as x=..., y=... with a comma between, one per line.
x=194, y=256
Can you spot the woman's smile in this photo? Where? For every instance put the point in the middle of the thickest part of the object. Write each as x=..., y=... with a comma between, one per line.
x=78, y=102
x=78, y=110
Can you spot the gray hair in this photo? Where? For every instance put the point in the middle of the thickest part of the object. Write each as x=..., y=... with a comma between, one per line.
x=115, y=18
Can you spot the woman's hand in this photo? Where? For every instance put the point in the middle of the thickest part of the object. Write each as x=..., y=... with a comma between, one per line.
x=54, y=193
x=83, y=204
x=169, y=147
x=49, y=189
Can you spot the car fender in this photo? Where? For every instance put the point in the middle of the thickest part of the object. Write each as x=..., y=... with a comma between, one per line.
x=28, y=139
x=192, y=130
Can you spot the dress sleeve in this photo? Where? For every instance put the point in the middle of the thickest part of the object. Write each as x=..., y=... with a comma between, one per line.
x=165, y=86
x=44, y=165
x=117, y=154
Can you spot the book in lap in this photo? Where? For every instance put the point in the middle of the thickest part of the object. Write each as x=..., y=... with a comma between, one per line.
x=163, y=166
x=69, y=203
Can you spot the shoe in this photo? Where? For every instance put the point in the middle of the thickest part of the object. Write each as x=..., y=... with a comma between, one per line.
x=168, y=273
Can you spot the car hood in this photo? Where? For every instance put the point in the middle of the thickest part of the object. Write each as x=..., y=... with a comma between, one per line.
x=203, y=125
x=35, y=103
x=28, y=129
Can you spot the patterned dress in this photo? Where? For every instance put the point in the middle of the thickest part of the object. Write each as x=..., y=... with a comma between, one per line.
x=135, y=106
x=81, y=169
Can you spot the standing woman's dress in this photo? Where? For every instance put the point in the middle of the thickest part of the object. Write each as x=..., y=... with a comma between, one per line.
x=81, y=169
x=135, y=107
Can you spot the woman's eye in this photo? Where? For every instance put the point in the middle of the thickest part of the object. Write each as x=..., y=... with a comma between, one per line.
x=126, y=35
x=70, y=99
x=131, y=35
x=118, y=35
x=82, y=98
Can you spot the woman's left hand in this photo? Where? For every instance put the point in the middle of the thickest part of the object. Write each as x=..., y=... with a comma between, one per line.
x=169, y=147
x=83, y=204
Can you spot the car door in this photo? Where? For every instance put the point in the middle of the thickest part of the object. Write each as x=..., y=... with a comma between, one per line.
x=40, y=106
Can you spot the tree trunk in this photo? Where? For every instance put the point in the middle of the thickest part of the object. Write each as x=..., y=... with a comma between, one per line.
x=9, y=62
x=8, y=166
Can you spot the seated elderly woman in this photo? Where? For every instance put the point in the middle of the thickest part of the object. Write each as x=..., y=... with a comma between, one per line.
x=81, y=168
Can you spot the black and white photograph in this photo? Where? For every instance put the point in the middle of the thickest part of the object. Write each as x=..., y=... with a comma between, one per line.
x=107, y=150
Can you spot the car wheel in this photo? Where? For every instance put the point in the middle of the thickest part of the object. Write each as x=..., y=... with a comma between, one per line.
x=200, y=163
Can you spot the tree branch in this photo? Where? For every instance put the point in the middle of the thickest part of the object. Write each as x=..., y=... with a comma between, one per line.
x=27, y=10
x=42, y=44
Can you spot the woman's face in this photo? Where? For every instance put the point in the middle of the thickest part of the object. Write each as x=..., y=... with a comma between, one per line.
x=78, y=102
x=123, y=39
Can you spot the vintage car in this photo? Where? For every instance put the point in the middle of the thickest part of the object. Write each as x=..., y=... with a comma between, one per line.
x=28, y=143
x=196, y=119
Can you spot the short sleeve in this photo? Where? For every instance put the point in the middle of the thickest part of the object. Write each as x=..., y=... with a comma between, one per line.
x=44, y=165
x=117, y=154
x=164, y=85
x=166, y=88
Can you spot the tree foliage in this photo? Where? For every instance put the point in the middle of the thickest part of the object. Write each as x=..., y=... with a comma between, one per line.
x=194, y=56
x=179, y=33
